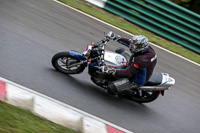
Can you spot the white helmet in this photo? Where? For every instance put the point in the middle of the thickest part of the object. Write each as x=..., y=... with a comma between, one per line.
x=139, y=43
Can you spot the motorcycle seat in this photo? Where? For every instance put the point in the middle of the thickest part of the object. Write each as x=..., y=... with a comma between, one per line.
x=155, y=79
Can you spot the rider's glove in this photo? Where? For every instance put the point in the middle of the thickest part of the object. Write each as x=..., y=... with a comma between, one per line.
x=117, y=37
x=108, y=70
x=113, y=36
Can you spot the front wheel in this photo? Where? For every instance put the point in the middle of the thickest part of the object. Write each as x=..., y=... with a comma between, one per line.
x=144, y=96
x=61, y=62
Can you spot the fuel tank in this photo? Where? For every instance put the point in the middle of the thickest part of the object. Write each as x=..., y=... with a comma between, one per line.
x=115, y=60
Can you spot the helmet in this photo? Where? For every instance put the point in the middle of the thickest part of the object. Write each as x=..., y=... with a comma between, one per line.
x=138, y=43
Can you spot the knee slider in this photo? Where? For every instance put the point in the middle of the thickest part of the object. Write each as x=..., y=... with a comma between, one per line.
x=111, y=88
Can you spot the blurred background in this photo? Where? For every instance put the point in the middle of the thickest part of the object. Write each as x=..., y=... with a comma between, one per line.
x=193, y=5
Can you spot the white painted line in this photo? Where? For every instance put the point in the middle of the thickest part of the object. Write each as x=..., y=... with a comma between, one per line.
x=92, y=17
x=125, y=32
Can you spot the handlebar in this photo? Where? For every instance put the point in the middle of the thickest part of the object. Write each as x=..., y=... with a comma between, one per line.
x=106, y=39
x=97, y=48
x=103, y=41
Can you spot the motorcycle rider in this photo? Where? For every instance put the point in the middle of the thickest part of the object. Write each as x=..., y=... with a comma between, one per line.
x=140, y=66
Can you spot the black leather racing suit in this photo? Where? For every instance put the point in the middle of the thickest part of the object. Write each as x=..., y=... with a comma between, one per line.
x=140, y=66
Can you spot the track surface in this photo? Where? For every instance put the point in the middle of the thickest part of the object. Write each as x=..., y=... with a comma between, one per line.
x=31, y=32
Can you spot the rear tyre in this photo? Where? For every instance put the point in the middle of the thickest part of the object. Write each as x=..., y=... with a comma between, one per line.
x=146, y=96
x=61, y=62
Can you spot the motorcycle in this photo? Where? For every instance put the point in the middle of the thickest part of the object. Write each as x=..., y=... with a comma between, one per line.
x=96, y=56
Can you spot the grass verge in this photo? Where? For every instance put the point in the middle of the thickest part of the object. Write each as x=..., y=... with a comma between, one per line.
x=134, y=29
x=16, y=120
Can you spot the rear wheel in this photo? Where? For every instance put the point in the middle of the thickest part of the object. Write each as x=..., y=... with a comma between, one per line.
x=144, y=96
x=62, y=61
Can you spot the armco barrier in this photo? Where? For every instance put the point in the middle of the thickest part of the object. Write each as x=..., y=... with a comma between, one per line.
x=54, y=110
x=161, y=17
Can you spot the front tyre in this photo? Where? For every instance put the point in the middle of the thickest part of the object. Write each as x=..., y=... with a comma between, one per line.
x=61, y=62
x=144, y=96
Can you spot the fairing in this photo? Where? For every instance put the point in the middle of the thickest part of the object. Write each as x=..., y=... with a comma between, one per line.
x=115, y=60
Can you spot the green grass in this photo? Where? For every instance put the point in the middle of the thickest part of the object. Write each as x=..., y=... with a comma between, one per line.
x=16, y=120
x=134, y=29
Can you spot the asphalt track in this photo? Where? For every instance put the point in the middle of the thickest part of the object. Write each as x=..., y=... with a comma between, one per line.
x=31, y=32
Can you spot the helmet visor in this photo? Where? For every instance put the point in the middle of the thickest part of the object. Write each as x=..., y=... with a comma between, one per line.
x=133, y=47
x=138, y=43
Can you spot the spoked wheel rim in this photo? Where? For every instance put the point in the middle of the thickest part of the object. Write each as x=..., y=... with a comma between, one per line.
x=65, y=62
